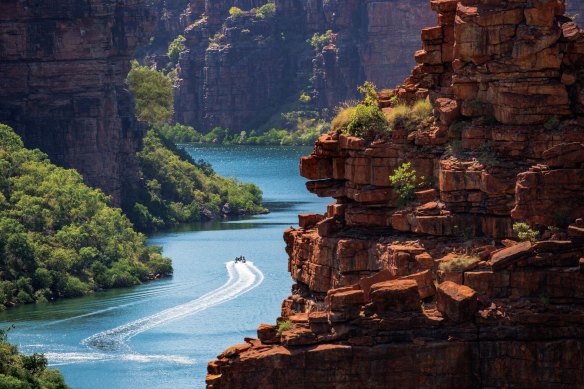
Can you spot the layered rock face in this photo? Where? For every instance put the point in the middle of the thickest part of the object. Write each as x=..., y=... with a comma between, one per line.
x=440, y=292
x=235, y=73
x=374, y=42
x=255, y=65
x=63, y=66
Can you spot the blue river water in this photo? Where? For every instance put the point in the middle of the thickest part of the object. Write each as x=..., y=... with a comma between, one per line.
x=162, y=334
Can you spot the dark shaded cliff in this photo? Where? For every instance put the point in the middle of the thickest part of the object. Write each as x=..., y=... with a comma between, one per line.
x=239, y=70
x=63, y=66
x=476, y=280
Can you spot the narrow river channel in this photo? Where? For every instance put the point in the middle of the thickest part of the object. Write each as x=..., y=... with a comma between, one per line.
x=162, y=334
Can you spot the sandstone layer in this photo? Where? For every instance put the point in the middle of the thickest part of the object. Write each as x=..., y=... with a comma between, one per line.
x=254, y=66
x=441, y=292
x=63, y=66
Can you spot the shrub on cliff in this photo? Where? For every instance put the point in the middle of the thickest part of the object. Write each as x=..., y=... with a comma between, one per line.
x=153, y=93
x=409, y=117
x=319, y=41
x=405, y=183
x=266, y=11
x=179, y=190
x=524, y=232
x=175, y=48
x=235, y=12
x=459, y=264
x=284, y=326
x=364, y=119
x=58, y=237
x=19, y=371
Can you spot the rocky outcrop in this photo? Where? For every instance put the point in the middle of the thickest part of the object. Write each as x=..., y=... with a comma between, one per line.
x=440, y=291
x=253, y=66
x=234, y=76
x=374, y=41
x=63, y=66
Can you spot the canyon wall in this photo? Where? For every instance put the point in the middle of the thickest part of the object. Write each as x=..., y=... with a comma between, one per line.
x=63, y=66
x=440, y=292
x=254, y=66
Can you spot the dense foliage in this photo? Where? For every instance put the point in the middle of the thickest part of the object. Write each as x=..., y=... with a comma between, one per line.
x=18, y=371
x=58, y=237
x=180, y=190
x=266, y=11
x=153, y=93
x=525, y=233
x=235, y=11
x=363, y=119
x=319, y=41
x=366, y=119
x=177, y=190
x=179, y=133
x=175, y=48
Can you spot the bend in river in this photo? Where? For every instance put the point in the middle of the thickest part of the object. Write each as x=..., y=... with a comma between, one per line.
x=162, y=334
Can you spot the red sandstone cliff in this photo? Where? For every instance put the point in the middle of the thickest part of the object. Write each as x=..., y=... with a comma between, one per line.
x=63, y=66
x=243, y=78
x=439, y=293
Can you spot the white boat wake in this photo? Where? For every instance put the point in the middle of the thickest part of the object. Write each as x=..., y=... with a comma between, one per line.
x=61, y=359
x=243, y=277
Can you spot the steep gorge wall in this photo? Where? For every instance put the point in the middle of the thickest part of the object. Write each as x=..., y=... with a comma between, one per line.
x=439, y=292
x=63, y=66
x=258, y=65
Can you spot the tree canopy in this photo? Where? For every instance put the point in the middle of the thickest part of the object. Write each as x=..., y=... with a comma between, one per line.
x=153, y=93
x=59, y=237
x=180, y=190
x=18, y=371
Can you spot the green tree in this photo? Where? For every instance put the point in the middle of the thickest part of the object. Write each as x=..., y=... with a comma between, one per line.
x=153, y=93
x=180, y=190
x=54, y=230
x=25, y=371
x=176, y=47
x=405, y=183
x=266, y=11
x=319, y=41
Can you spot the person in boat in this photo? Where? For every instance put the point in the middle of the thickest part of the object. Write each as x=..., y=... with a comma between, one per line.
x=240, y=259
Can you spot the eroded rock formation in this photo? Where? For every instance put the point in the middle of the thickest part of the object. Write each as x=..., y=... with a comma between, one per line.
x=63, y=66
x=440, y=292
x=253, y=66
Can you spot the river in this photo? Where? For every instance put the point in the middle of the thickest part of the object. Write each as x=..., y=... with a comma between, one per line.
x=162, y=334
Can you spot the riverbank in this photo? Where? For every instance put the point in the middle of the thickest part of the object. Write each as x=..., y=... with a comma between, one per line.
x=176, y=353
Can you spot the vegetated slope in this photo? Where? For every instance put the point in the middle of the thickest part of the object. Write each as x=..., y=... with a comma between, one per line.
x=59, y=237
x=180, y=190
x=18, y=371
x=176, y=189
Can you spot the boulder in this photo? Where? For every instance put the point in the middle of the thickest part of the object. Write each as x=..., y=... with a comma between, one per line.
x=344, y=304
x=448, y=110
x=268, y=333
x=505, y=257
x=366, y=282
x=457, y=302
x=395, y=295
x=425, y=281
x=309, y=220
